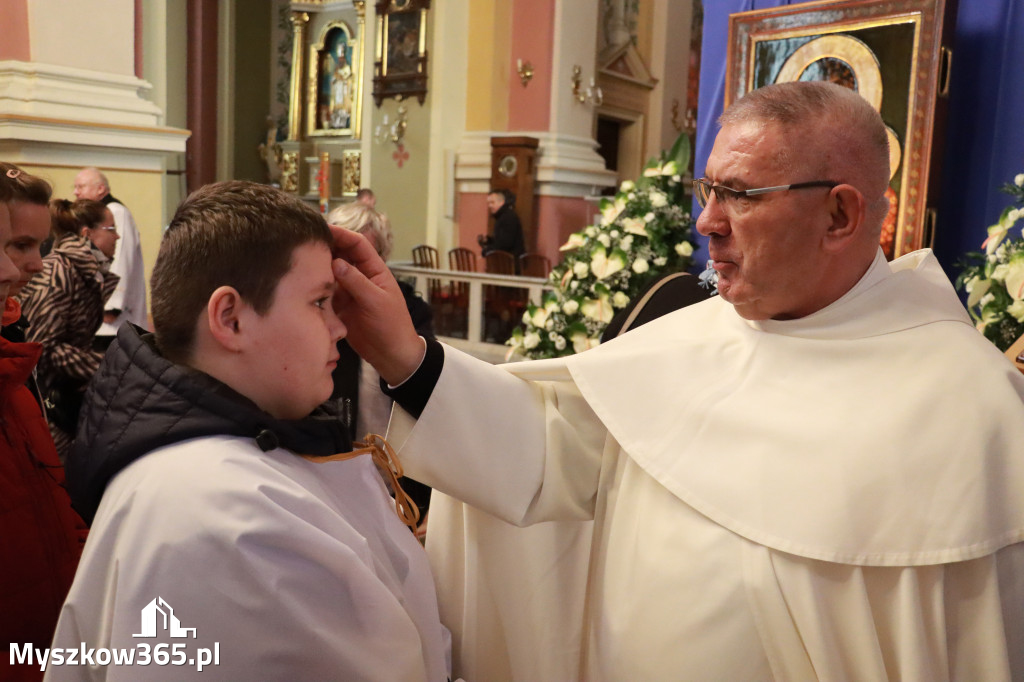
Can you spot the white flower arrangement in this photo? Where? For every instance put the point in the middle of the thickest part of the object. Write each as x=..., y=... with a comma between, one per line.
x=643, y=232
x=994, y=280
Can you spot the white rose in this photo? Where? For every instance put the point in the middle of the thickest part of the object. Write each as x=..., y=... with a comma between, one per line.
x=660, y=261
x=549, y=324
x=631, y=196
x=559, y=343
x=531, y=340
x=590, y=231
x=627, y=243
x=626, y=186
x=570, y=307
x=676, y=178
x=526, y=317
x=551, y=306
x=620, y=300
x=1016, y=309
x=684, y=248
x=604, y=239
x=574, y=286
x=615, y=234
x=580, y=269
x=649, y=217
x=1019, y=179
x=658, y=199
x=640, y=266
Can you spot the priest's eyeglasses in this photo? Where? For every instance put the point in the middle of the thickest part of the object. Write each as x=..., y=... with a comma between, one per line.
x=727, y=196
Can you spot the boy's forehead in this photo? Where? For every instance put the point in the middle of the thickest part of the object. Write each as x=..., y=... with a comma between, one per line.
x=311, y=265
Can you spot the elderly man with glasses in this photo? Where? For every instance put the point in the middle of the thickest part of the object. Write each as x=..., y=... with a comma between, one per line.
x=815, y=475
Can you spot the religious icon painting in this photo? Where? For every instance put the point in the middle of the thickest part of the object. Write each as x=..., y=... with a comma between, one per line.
x=335, y=92
x=400, y=69
x=895, y=53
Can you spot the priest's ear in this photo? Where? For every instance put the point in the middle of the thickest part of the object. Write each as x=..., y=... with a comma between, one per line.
x=224, y=312
x=848, y=217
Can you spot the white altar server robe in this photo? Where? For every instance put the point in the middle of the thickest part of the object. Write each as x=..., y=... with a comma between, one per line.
x=293, y=569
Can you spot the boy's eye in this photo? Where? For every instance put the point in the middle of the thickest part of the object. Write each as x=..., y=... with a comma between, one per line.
x=321, y=302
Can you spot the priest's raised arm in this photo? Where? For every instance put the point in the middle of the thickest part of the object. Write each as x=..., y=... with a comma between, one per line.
x=816, y=474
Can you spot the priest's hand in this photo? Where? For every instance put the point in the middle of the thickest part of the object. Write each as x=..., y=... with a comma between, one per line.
x=372, y=307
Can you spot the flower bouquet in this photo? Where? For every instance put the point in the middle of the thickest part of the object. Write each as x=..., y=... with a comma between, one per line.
x=642, y=233
x=994, y=280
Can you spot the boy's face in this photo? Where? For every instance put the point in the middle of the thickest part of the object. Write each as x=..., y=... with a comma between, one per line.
x=294, y=344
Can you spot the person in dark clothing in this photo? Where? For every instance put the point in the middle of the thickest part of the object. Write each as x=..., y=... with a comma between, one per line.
x=508, y=231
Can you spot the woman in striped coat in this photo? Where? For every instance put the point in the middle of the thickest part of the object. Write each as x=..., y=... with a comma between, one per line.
x=64, y=307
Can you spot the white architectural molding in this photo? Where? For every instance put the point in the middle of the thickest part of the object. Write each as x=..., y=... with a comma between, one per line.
x=42, y=105
x=62, y=92
x=567, y=165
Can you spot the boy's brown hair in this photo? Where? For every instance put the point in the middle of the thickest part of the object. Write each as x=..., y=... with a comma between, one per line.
x=237, y=234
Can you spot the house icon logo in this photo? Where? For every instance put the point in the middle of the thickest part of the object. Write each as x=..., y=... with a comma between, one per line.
x=158, y=615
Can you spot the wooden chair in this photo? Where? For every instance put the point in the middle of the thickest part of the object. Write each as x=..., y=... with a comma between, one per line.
x=500, y=263
x=462, y=260
x=425, y=256
x=534, y=265
x=503, y=306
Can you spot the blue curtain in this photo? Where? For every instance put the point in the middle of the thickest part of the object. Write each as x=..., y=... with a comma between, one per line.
x=984, y=145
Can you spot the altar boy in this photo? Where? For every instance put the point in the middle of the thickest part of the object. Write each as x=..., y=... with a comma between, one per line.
x=226, y=532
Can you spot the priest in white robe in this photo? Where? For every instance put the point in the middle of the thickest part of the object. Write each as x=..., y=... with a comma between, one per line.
x=817, y=475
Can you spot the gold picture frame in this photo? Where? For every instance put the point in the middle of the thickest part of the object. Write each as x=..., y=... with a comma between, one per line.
x=334, y=91
x=895, y=53
x=400, y=69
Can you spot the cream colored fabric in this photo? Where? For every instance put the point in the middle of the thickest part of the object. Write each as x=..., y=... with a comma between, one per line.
x=838, y=497
x=296, y=570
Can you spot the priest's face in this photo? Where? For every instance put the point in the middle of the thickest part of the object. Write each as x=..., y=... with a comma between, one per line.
x=766, y=248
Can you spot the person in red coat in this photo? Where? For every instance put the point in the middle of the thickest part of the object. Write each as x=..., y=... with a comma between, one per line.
x=41, y=537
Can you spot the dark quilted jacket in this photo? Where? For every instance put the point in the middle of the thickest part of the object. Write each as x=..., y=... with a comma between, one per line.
x=139, y=401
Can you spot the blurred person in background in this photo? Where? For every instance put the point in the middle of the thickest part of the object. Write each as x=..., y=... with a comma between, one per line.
x=30, y=227
x=128, y=302
x=64, y=303
x=40, y=536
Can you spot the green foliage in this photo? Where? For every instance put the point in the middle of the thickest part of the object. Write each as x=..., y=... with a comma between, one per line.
x=645, y=231
x=994, y=279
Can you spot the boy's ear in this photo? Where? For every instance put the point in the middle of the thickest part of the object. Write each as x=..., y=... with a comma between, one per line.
x=223, y=312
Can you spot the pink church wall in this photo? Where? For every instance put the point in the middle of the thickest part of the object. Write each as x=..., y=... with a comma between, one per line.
x=533, y=35
x=557, y=218
x=14, y=42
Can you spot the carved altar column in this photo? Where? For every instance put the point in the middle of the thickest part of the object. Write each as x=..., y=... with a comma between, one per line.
x=299, y=21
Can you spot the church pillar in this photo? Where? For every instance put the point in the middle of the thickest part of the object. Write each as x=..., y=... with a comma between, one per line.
x=551, y=37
